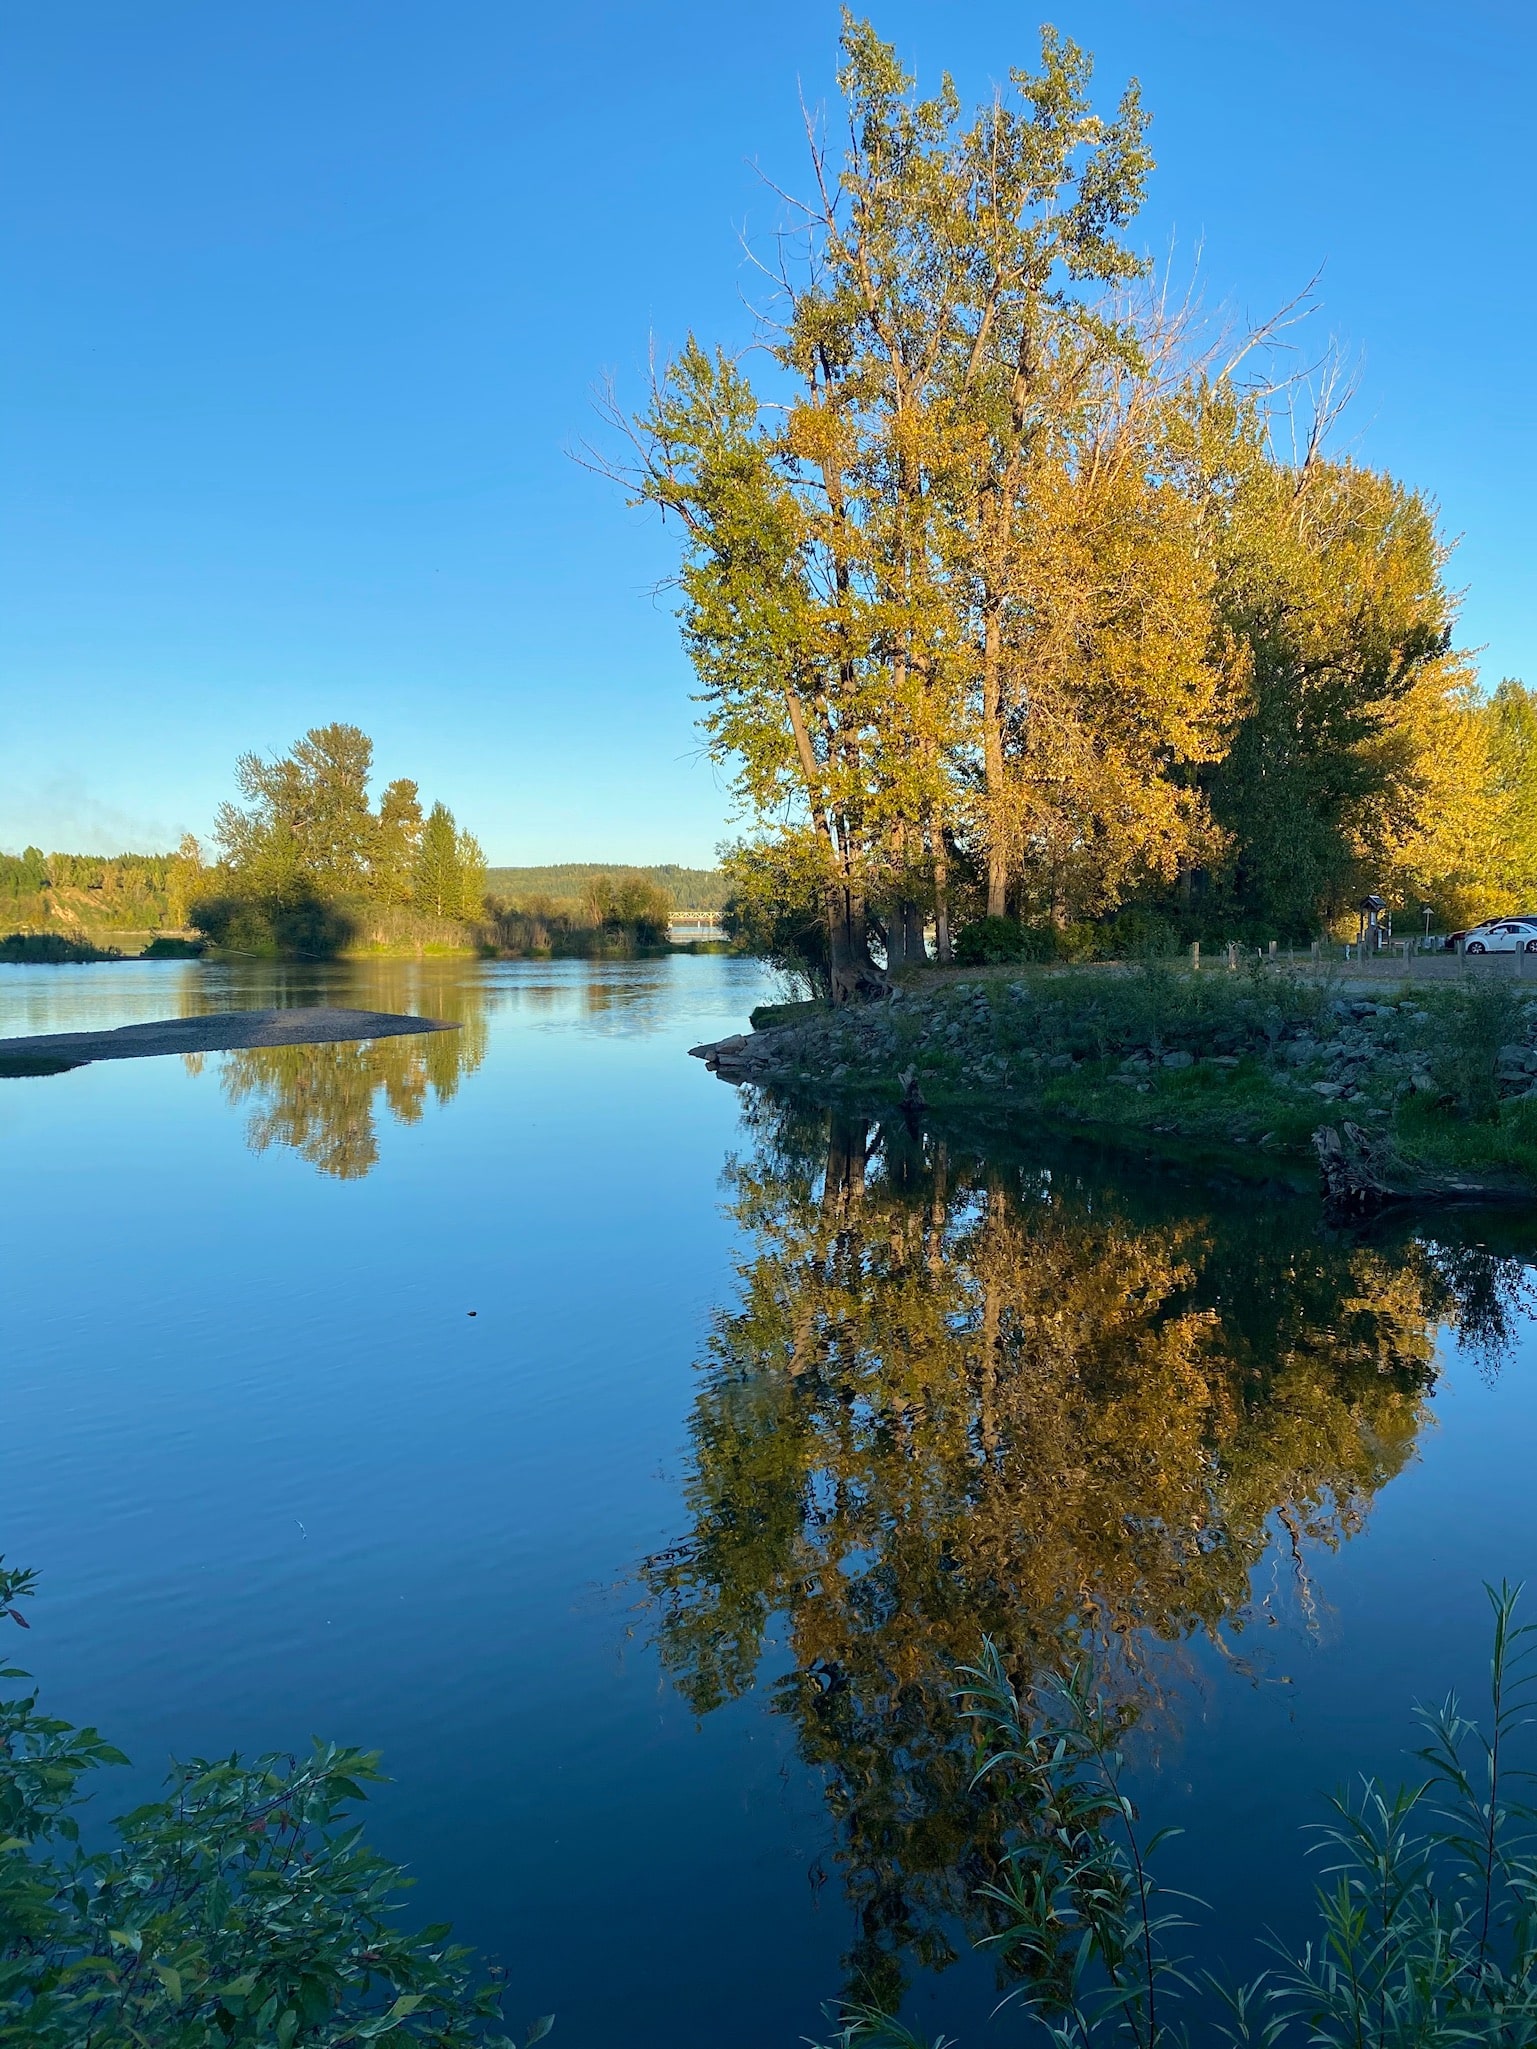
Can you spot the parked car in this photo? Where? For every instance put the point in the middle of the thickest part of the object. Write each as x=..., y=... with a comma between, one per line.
x=1498, y=935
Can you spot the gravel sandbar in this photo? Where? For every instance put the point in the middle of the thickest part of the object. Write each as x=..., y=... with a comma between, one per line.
x=220, y=1032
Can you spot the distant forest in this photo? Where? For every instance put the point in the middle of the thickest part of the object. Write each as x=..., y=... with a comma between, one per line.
x=128, y=898
x=687, y=889
x=97, y=892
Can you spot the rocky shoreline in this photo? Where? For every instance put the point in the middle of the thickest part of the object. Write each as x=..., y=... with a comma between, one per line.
x=1399, y=1096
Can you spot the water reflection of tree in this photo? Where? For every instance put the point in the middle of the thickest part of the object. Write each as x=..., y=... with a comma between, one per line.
x=322, y=1101
x=955, y=1396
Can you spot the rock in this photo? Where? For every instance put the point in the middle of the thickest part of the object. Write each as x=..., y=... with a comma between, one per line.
x=1221, y=1060
x=1328, y=1089
x=1179, y=1060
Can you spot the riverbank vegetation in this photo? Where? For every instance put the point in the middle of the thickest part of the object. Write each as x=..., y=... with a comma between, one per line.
x=1425, y=1933
x=564, y=885
x=308, y=866
x=51, y=949
x=1019, y=589
x=88, y=898
x=242, y=1908
x=607, y=914
x=1436, y=1085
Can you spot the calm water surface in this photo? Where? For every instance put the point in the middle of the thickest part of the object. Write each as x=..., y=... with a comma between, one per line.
x=648, y=1576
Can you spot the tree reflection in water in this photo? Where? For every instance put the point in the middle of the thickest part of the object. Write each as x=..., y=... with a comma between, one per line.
x=960, y=1395
x=322, y=1101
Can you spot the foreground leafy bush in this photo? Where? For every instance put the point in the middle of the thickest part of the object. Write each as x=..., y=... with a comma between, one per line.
x=1427, y=1921
x=244, y=1908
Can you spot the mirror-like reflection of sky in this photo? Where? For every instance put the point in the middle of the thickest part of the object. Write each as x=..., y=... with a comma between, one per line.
x=646, y=1577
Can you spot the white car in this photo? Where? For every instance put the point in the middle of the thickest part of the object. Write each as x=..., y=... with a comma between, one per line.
x=1503, y=935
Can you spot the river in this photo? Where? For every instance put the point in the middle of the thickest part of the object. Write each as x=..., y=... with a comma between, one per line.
x=632, y=1462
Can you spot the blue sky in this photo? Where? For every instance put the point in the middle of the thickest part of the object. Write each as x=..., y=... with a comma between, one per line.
x=301, y=305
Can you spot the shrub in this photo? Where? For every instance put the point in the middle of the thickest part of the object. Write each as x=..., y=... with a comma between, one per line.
x=1427, y=1928
x=242, y=1910
x=991, y=942
x=296, y=922
x=1471, y=1028
x=51, y=947
x=775, y=909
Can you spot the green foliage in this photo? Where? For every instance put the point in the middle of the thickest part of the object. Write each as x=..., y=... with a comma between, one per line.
x=1472, y=1023
x=306, y=859
x=776, y=908
x=244, y=1908
x=990, y=942
x=80, y=895
x=629, y=903
x=1427, y=1920
x=307, y=822
x=449, y=878
x=269, y=925
x=565, y=883
x=24, y=874
x=1332, y=585
x=28, y=948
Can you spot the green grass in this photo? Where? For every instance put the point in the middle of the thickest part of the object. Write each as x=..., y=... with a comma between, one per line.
x=1426, y=1080
x=1428, y=1137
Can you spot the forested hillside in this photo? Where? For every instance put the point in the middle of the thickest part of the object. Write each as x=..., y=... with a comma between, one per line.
x=686, y=889
x=98, y=893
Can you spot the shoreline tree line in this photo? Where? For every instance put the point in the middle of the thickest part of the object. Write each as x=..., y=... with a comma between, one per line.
x=307, y=863
x=1009, y=593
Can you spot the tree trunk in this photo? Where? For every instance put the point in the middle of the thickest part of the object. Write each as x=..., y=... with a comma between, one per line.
x=941, y=896
x=853, y=973
x=992, y=758
x=905, y=945
x=843, y=1185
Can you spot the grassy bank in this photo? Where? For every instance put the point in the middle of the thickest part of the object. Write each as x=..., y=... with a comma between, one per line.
x=1441, y=1084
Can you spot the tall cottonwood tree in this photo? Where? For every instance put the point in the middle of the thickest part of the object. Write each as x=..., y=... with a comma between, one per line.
x=307, y=834
x=997, y=572
x=306, y=819
x=851, y=549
